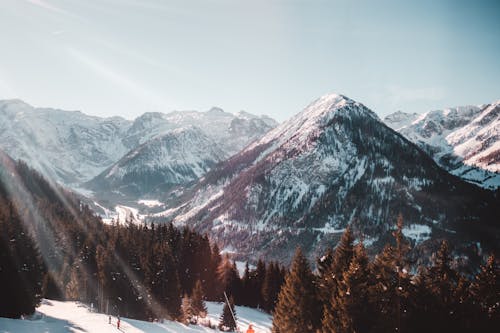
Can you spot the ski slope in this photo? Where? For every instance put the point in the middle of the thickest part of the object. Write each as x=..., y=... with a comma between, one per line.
x=74, y=317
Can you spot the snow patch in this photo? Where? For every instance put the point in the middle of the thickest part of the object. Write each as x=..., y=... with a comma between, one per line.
x=417, y=232
x=150, y=203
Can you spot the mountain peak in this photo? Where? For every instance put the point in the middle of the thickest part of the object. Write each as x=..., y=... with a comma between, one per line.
x=216, y=110
x=315, y=116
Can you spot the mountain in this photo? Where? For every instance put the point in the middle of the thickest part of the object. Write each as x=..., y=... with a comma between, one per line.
x=66, y=146
x=181, y=156
x=232, y=132
x=71, y=147
x=400, y=119
x=332, y=165
x=463, y=140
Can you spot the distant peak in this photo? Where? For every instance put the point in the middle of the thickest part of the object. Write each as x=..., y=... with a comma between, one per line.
x=329, y=101
x=15, y=101
x=216, y=110
x=330, y=104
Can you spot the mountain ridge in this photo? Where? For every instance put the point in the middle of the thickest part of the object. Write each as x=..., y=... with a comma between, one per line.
x=329, y=166
x=71, y=147
x=463, y=140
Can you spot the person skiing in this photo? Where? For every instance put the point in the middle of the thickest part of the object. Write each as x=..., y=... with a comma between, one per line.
x=118, y=323
x=250, y=329
x=109, y=319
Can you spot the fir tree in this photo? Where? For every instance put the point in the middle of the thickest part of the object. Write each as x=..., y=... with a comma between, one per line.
x=391, y=287
x=227, y=321
x=332, y=266
x=485, y=293
x=187, y=310
x=272, y=284
x=73, y=287
x=297, y=308
x=229, y=278
x=51, y=288
x=438, y=286
x=197, y=301
x=349, y=310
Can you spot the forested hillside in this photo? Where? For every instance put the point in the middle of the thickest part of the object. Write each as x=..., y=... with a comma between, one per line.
x=352, y=293
x=56, y=247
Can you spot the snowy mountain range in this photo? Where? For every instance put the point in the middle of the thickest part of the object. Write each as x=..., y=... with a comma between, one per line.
x=331, y=165
x=463, y=140
x=72, y=148
x=178, y=157
x=69, y=147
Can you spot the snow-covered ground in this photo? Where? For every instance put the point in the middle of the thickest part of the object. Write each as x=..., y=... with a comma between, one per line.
x=150, y=203
x=62, y=317
x=121, y=214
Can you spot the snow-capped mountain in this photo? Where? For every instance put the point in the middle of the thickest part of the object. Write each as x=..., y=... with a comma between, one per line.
x=72, y=148
x=69, y=147
x=400, y=119
x=232, y=132
x=178, y=157
x=331, y=165
x=463, y=140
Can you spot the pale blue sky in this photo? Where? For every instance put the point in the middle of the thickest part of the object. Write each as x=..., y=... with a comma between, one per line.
x=126, y=57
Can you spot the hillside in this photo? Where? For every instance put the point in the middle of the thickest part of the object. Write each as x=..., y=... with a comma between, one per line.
x=61, y=317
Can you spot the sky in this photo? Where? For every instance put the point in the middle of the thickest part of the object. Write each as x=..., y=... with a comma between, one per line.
x=127, y=57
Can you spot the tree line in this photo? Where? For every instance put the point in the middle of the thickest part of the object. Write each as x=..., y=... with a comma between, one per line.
x=54, y=246
x=351, y=293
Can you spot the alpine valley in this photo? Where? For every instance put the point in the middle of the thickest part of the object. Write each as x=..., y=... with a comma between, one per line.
x=261, y=189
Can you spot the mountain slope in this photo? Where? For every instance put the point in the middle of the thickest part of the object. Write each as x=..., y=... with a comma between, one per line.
x=178, y=157
x=463, y=140
x=231, y=131
x=71, y=147
x=58, y=317
x=332, y=165
x=66, y=146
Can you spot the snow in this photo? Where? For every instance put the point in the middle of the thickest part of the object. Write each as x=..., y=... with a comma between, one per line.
x=63, y=317
x=464, y=140
x=72, y=148
x=150, y=203
x=329, y=229
x=400, y=120
x=417, y=232
x=124, y=214
x=306, y=123
x=241, y=265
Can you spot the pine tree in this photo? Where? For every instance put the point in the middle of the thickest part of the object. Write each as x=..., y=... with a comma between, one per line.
x=485, y=293
x=272, y=284
x=391, y=287
x=187, y=310
x=258, y=283
x=297, y=308
x=246, y=286
x=229, y=279
x=212, y=286
x=349, y=310
x=73, y=287
x=227, y=322
x=438, y=285
x=332, y=266
x=197, y=301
